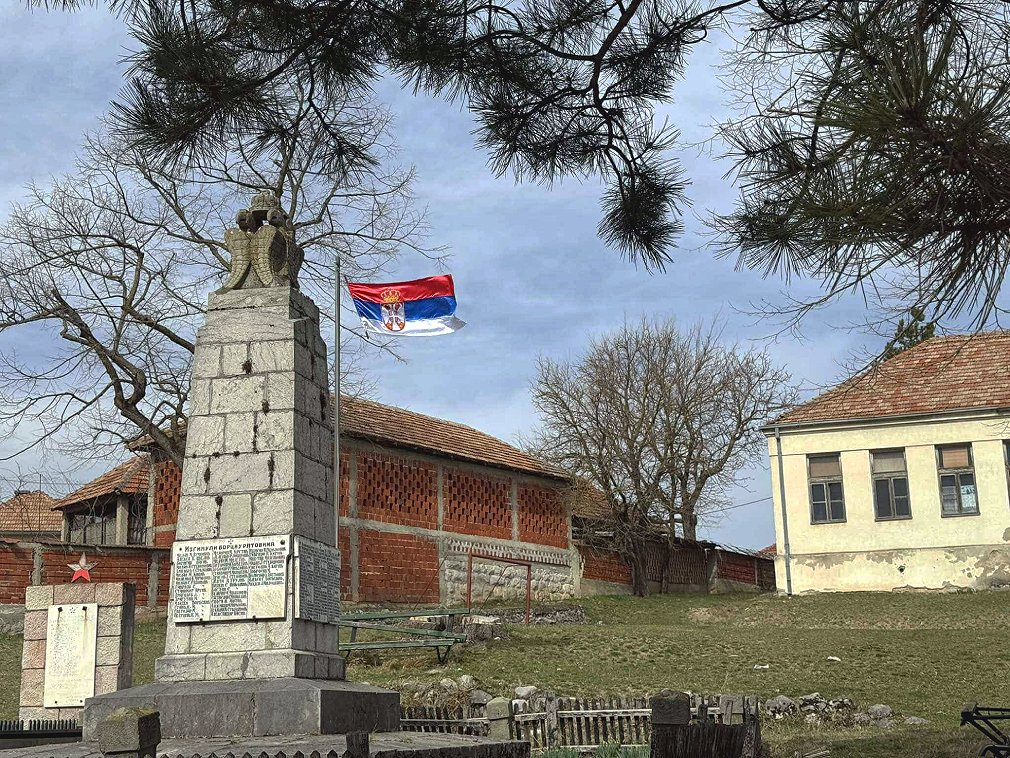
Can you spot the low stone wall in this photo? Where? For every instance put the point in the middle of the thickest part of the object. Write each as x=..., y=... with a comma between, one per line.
x=504, y=581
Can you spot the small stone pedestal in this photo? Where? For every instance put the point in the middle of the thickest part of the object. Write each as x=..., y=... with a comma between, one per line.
x=85, y=626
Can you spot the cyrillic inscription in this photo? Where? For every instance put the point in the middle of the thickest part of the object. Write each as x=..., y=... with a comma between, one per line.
x=240, y=578
x=318, y=572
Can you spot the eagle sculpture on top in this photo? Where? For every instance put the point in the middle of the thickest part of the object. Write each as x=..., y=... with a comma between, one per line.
x=263, y=249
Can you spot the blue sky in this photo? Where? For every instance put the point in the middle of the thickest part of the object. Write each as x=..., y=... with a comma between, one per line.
x=531, y=276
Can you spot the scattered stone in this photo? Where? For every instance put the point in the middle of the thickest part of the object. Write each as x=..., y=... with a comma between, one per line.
x=812, y=719
x=483, y=628
x=887, y=723
x=562, y=614
x=467, y=682
x=879, y=711
x=480, y=697
x=841, y=704
x=12, y=619
x=448, y=684
x=834, y=658
x=762, y=666
x=525, y=693
x=861, y=719
x=780, y=706
x=916, y=721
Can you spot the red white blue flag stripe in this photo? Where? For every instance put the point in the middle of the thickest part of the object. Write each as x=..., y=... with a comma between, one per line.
x=418, y=308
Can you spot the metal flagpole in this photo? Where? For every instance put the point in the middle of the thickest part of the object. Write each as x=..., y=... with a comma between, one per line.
x=336, y=396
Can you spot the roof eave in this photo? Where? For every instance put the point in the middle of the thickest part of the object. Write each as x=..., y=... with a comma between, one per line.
x=433, y=451
x=769, y=429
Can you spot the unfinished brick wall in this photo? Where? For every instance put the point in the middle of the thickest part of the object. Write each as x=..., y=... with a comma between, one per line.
x=543, y=518
x=167, y=488
x=397, y=567
x=736, y=568
x=17, y=562
x=604, y=565
x=15, y=572
x=689, y=568
x=479, y=505
x=397, y=490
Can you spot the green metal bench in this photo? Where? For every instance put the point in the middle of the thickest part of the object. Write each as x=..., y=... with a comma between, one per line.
x=440, y=641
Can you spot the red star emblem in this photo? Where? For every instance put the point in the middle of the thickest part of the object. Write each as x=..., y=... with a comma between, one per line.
x=81, y=569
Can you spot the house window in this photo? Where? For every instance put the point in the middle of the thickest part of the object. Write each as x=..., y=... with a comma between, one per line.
x=94, y=527
x=136, y=533
x=827, y=501
x=958, y=496
x=890, y=484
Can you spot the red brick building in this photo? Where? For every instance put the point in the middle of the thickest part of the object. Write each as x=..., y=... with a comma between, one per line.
x=428, y=509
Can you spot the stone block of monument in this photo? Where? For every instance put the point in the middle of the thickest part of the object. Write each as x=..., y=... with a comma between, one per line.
x=251, y=644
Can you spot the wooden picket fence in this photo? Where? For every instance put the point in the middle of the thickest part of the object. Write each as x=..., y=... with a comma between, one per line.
x=580, y=724
x=442, y=720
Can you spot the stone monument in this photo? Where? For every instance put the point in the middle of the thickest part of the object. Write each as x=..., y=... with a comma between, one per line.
x=251, y=645
x=78, y=642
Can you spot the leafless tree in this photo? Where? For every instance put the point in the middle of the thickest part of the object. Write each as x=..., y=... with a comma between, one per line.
x=104, y=273
x=661, y=421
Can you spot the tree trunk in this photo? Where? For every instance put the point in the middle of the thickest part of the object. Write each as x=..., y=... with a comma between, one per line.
x=689, y=523
x=639, y=573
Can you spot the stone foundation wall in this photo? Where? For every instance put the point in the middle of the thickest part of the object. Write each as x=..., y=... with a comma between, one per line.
x=977, y=567
x=504, y=581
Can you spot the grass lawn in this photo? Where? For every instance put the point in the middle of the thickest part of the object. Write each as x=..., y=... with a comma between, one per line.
x=922, y=654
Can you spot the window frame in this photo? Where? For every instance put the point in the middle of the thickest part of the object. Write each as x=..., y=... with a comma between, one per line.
x=136, y=521
x=824, y=481
x=889, y=477
x=957, y=472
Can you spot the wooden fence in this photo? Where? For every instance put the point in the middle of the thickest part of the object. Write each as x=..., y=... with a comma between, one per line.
x=442, y=720
x=581, y=724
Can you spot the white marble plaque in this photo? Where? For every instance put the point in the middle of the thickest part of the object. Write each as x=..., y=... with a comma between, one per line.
x=317, y=592
x=71, y=640
x=228, y=579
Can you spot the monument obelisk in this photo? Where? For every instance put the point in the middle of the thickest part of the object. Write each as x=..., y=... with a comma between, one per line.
x=251, y=644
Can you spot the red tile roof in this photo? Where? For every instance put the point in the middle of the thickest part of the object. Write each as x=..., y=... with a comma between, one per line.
x=398, y=427
x=770, y=550
x=128, y=477
x=29, y=512
x=940, y=374
x=388, y=425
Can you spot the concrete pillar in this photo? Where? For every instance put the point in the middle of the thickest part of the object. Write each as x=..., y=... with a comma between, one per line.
x=515, y=511
x=122, y=518
x=357, y=745
x=37, y=564
x=498, y=714
x=671, y=712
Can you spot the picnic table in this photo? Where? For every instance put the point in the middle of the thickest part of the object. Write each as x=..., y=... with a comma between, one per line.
x=441, y=641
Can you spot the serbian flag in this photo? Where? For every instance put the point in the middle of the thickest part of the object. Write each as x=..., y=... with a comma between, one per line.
x=419, y=308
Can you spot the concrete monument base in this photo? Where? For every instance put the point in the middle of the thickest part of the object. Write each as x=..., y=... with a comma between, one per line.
x=253, y=707
x=388, y=745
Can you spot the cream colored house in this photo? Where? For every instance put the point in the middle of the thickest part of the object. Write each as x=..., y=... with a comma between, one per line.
x=898, y=478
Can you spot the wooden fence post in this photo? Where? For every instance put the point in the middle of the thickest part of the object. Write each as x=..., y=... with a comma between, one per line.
x=498, y=714
x=551, y=722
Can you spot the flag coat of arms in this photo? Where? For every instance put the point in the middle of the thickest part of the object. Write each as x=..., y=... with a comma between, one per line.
x=418, y=308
